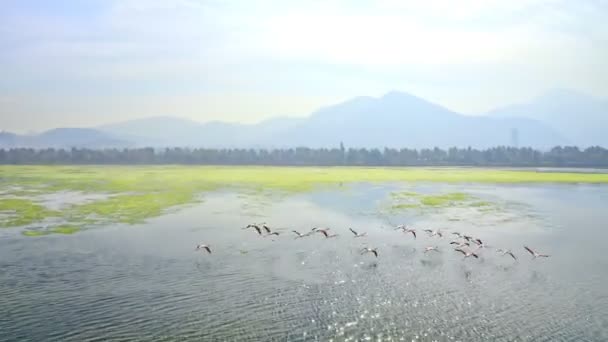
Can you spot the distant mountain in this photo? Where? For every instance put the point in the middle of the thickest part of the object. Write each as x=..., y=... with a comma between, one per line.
x=64, y=138
x=8, y=139
x=581, y=118
x=394, y=120
x=402, y=120
x=170, y=131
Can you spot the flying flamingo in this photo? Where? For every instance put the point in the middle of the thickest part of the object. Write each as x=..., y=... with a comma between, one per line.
x=434, y=232
x=257, y=228
x=504, y=252
x=205, y=247
x=300, y=235
x=431, y=248
x=467, y=237
x=410, y=230
x=266, y=228
x=460, y=244
x=357, y=234
x=535, y=254
x=370, y=250
x=466, y=253
x=324, y=232
x=401, y=227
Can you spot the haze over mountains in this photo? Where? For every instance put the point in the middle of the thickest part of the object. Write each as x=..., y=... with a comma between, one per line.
x=396, y=119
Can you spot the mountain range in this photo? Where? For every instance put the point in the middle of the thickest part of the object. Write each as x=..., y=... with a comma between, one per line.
x=397, y=119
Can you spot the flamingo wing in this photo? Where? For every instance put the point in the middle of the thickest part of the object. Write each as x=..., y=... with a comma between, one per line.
x=529, y=250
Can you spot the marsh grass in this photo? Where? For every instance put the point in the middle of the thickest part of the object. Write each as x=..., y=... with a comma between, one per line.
x=142, y=192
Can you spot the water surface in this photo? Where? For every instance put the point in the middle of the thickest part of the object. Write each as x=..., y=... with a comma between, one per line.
x=145, y=282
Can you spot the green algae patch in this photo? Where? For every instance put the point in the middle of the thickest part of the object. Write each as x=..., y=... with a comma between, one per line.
x=21, y=212
x=34, y=233
x=131, y=209
x=65, y=229
x=404, y=194
x=399, y=206
x=479, y=204
x=410, y=200
x=444, y=199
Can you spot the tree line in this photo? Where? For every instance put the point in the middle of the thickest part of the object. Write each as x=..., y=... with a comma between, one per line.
x=568, y=156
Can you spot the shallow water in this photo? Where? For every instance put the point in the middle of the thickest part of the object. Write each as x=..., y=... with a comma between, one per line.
x=147, y=283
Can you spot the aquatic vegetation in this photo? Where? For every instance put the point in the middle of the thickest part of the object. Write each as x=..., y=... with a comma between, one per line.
x=21, y=212
x=399, y=194
x=141, y=192
x=398, y=206
x=411, y=200
x=479, y=204
x=443, y=199
x=35, y=232
x=132, y=208
x=65, y=229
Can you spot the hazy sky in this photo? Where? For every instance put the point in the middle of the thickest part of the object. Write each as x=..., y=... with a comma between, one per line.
x=84, y=63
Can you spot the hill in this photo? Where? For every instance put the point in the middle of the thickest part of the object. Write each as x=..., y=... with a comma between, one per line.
x=581, y=118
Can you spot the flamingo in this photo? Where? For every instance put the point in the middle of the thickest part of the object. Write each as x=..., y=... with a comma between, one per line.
x=357, y=234
x=434, y=232
x=467, y=237
x=410, y=230
x=324, y=232
x=300, y=235
x=401, y=227
x=480, y=244
x=431, y=248
x=202, y=246
x=257, y=228
x=370, y=250
x=535, y=254
x=506, y=252
x=460, y=244
x=467, y=253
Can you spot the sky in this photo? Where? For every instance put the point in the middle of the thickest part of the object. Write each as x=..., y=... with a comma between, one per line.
x=67, y=63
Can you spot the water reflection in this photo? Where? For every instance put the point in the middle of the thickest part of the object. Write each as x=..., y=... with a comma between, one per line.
x=147, y=283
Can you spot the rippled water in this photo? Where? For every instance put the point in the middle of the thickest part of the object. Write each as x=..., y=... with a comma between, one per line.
x=147, y=283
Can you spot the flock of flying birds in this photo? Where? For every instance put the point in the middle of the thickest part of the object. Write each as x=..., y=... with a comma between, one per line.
x=463, y=243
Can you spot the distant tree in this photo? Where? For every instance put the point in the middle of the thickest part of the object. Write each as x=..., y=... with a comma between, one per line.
x=301, y=156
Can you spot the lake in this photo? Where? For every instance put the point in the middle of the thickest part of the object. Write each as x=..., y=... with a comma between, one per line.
x=146, y=282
